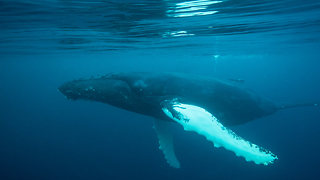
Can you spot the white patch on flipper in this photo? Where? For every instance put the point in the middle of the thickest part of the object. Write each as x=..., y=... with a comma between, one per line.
x=194, y=118
x=165, y=140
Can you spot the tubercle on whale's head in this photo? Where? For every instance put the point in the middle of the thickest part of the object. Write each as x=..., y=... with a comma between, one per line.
x=70, y=91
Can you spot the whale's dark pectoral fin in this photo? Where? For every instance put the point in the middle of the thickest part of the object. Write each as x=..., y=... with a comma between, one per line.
x=165, y=140
x=197, y=119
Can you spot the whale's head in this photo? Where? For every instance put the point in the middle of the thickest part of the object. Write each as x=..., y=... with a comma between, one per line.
x=103, y=89
x=111, y=89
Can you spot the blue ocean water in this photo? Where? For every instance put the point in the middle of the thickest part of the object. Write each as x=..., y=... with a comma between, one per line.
x=273, y=45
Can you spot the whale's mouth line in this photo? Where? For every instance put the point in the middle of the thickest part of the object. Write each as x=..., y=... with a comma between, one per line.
x=127, y=93
x=71, y=98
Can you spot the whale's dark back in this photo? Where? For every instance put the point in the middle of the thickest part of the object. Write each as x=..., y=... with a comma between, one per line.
x=230, y=101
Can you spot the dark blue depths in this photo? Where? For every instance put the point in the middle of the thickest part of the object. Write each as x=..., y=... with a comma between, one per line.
x=45, y=136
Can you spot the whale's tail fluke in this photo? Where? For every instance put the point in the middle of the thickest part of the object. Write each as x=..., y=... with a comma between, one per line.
x=296, y=104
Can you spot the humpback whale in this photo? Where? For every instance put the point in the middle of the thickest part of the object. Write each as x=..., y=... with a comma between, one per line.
x=205, y=105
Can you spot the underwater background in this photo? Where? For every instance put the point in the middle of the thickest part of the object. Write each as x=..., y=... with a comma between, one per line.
x=273, y=45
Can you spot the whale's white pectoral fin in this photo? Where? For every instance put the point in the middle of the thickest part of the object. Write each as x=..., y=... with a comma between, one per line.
x=165, y=140
x=194, y=118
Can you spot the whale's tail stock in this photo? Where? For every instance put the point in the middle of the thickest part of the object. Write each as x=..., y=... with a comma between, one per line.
x=285, y=105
